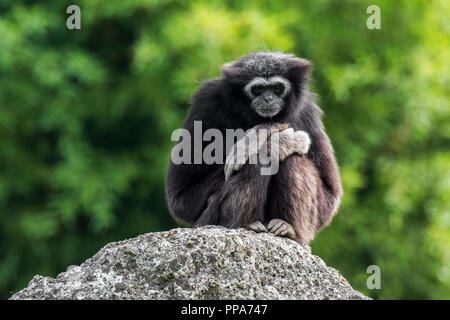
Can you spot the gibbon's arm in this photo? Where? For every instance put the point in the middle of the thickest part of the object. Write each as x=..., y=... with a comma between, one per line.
x=189, y=186
x=322, y=155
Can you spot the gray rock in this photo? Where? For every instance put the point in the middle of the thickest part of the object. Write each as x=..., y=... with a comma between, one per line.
x=203, y=263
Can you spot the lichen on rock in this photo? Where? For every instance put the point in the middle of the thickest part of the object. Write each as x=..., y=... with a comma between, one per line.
x=202, y=263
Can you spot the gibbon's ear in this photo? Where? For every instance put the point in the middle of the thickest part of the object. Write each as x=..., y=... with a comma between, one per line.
x=233, y=72
x=227, y=68
x=299, y=69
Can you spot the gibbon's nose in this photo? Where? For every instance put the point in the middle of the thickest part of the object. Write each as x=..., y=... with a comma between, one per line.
x=268, y=97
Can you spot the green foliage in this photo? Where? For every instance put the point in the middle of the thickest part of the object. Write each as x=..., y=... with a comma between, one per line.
x=86, y=118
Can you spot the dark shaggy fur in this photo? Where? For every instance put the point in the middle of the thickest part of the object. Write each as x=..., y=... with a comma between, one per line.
x=305, y=192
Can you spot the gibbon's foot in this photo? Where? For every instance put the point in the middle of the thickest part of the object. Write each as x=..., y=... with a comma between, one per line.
x=256, y=226
x=281, y=228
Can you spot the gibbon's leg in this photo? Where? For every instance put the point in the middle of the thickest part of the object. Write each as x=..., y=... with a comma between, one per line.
x=292, y=207
x=239, y=202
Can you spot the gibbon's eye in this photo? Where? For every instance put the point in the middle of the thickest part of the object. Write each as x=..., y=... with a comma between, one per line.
x=278, y=88
x=257, y=90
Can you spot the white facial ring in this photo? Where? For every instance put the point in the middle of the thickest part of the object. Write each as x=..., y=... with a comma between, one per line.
x=260, y=81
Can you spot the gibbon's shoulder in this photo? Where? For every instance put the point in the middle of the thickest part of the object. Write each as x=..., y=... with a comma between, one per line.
x=210, y=90
x=206, y=101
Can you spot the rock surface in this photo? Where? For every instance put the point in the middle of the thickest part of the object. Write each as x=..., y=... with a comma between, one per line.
x=203, y=263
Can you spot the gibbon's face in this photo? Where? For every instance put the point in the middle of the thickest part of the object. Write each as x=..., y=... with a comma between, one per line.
x=267, y=94
x=267, y=81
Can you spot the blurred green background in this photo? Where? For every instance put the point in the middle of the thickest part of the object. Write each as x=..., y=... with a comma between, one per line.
x=86, y=118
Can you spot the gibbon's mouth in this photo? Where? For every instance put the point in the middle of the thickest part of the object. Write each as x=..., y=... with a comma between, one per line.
x=268, y=111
